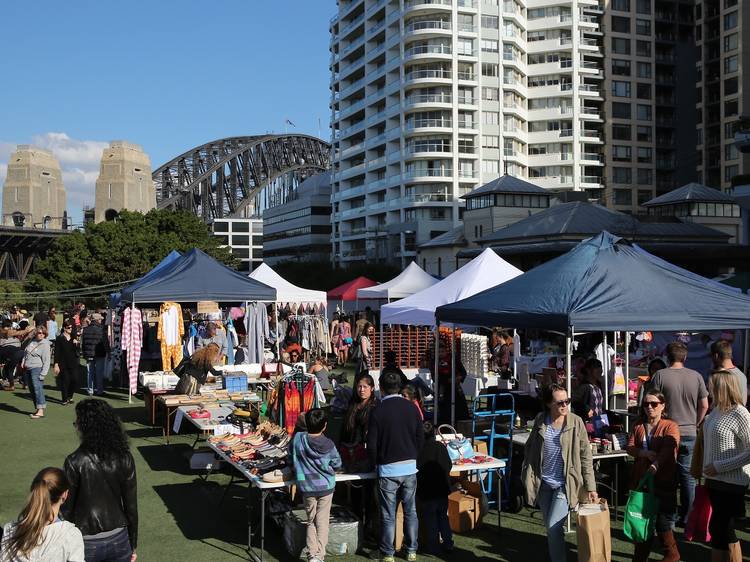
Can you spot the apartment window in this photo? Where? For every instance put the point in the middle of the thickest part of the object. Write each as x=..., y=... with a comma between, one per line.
x=730, y=64
x=730, y=20
x=621, y=89
x=730, y=86
x=490, y=22
x=644, y=133
x=537, y=59
x=729, y=130
x=644, y=69
x=536, y=13
x=490, y=118
x=730, y=172
x=465, y=47
x=642, y=27
x=643, y=48
x=643, y=6
x=645, y=176
x=623, y=196
x=620, y=24
x=532, y=36
x=730, y=108
x=643, y=112
x=621, y=5
x=489, y=69
x=620, y=67
x=643, y=91
x=730, y=152
x=731, y=42
x=621, y=110
x=490, y=167
x=490, y=46
x=644, y=155
x=621, y=132
x=620, y=46
x=490, y=94
x=621, y=153
x=490, y=141
x=622, y=175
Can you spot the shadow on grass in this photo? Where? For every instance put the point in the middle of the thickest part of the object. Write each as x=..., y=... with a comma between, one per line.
x=13, y=410
x=134, y=413
x=174, y=458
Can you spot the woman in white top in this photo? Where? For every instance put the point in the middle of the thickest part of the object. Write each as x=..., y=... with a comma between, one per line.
x=726, y=464
x=39, y=535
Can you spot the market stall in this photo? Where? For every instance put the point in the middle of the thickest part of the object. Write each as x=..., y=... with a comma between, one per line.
x=411, y=280
x=344, y=295
x=191, y=278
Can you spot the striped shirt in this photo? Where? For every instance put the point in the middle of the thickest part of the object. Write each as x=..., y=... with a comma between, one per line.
x=552, y=462
x=726, y=445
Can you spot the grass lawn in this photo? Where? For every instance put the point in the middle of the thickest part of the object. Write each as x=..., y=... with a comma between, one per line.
x=180, y=515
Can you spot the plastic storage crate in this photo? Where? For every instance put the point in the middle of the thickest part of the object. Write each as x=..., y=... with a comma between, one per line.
x=234, y=382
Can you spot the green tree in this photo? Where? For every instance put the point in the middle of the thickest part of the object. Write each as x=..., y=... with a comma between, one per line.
x=121, y=250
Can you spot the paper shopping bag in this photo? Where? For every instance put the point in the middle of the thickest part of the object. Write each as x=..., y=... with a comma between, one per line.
x=593, y=533
x=619, y=387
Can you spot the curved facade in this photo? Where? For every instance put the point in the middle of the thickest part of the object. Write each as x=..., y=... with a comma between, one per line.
x=430, y=98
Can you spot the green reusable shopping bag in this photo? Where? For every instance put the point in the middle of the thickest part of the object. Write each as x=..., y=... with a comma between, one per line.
x=641, y=511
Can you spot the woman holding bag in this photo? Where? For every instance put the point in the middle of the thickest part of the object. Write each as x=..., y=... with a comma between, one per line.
x=557, y=468
x=726, y=464
x=653, y=443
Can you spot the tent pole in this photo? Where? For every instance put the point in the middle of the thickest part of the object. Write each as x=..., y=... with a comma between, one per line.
x=605, y=368
x=453, y=376
x=627, y=379
x=568, y=358
x=746, y=354
x=276, y=320
x=435, y=387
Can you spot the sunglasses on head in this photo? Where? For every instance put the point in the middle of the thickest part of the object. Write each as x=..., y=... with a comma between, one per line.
x=652, y=404
x=561, y=403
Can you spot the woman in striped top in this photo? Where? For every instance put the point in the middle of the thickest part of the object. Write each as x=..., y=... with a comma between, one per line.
x=726, y=464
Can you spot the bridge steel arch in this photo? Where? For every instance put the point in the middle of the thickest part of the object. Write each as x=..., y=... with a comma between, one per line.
x=221, y=178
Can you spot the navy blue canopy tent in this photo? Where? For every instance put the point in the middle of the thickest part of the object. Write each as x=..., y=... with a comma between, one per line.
x=604, y=284
x=194, y=277
x=115, y=298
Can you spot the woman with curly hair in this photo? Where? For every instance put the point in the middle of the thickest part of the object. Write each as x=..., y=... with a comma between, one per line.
x=102, y=501
x=39, y=533
x=193, y=370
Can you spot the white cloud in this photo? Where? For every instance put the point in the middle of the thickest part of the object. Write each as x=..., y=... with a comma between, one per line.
x=79, y=162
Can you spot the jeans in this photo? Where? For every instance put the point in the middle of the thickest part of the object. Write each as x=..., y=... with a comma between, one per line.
x=111, y=549
x=392, y=491
x=96, y=375
x=435, y=520
x=36, y=387
x=686, y=481
x=554, y=505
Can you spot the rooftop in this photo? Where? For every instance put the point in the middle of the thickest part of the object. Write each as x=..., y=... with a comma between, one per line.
x=692, y=193
x=508, y=184
x=453, y=237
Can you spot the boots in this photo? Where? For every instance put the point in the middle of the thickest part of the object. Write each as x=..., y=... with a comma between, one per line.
x=642, y=550
x=671, y=554
x=720, y=555
x=735, y=552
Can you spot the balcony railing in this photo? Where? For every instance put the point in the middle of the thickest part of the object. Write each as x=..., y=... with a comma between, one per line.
x=422, y=123
x=428, y=73
x=420, y=25
x=428, y=172
x=462, y=75
x=429, y=98
x=591, y=179
x=412, y=3
x=428, y=49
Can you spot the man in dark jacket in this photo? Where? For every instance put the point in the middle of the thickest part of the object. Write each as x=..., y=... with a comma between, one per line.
x=94, y=348
x=394, y=440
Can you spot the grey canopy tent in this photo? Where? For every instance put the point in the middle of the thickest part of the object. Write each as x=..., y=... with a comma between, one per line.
x=604, y=284
x=194, y=277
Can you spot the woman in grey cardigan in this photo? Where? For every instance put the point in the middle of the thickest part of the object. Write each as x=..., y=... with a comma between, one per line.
x=36, y=361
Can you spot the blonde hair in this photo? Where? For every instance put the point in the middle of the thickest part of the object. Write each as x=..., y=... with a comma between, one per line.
x=725, y=390
x=206, y=357
x=46, y=490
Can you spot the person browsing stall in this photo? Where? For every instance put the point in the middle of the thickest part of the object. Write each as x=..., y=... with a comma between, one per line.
x=721, y=356
x=433, y=488
x=394, y=440
x=215, y=336
x=557, y=471
x=315, y=461
x=193, y=371
x=653, y=444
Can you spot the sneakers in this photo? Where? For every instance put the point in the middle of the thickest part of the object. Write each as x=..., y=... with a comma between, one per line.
x=388, y=559
x=411, y=557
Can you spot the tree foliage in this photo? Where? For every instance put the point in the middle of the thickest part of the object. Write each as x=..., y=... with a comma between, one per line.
x=121, y=250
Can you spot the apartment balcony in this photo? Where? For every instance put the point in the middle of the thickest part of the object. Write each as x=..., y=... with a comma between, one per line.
x=351, y=150
x=555, y=90
x=590, y=114
x=516, y=109
x=424, y=100
x=552, y=22
x=430, y=125
x=592, y=182
x=428, y=5
x=589, y=91
x=438, y=28
x=428, y=52
x=427, y=174
x=466, y=76
x=426, y=151
x=353, y=87
x=591, y=136
x=351, y=26
x=426, y=76
x=554, y=182
x=592, y=159
x=543, y=69
x=550, y=113
x=511, y=154
x=557, y=44
x=539, y=137
x=515, y=132
x=349, y=193
x=550, y=159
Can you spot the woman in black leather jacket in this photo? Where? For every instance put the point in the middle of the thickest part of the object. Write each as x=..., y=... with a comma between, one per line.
x=102, y=501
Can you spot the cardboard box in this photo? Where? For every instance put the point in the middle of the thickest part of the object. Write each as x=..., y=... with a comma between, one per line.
x=463, y=512
x=481, y=447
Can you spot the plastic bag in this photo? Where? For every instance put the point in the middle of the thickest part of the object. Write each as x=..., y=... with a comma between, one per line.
x=641, y=511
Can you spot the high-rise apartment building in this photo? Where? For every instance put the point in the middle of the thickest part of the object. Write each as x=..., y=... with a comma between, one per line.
x=431, y=98
x=723, y=88
x=650, y=103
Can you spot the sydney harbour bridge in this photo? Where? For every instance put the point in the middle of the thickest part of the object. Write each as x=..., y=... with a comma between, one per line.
x=236, y=176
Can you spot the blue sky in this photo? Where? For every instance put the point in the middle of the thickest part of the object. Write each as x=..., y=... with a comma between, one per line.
x=166, y=74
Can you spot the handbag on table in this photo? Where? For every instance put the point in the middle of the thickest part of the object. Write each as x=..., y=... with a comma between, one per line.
x=458, y=448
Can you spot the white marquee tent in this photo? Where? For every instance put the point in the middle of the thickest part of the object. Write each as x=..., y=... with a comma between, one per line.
x=286, y=291
x=411, y=280
x=485, y=271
